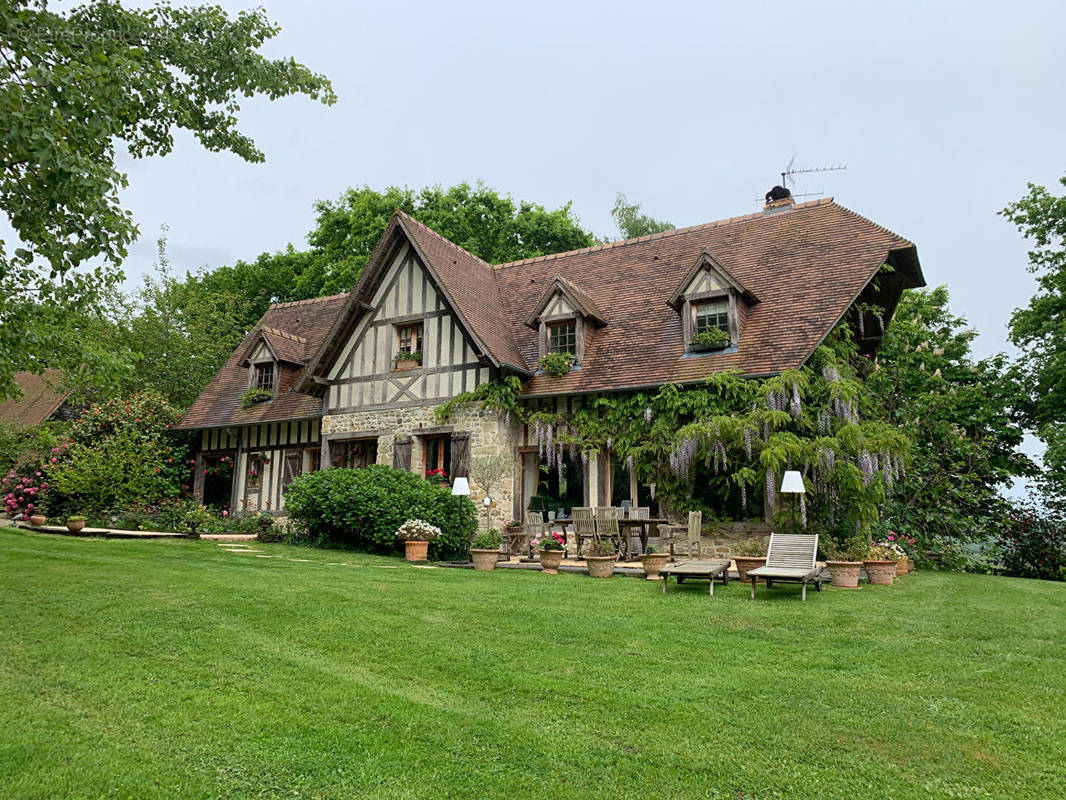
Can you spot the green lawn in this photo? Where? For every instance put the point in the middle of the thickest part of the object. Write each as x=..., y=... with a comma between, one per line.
x=173, y=669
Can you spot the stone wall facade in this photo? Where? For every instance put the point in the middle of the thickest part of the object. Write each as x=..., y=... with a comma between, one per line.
x=488, y=437
x=721, y=538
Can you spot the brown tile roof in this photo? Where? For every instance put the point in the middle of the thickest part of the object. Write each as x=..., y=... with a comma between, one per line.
x=807, y=263
x=287, y=347
x=41, y=396
x=578, y=296
x=284, y=324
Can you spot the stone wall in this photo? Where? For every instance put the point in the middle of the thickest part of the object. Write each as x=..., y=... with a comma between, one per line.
x=720, y=538
x=488, y=436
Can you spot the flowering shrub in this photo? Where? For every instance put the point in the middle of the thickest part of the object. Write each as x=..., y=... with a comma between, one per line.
x=549, y=540
x=120, y=453
x=415, y=530
x=1033, y=545
x=22, y=489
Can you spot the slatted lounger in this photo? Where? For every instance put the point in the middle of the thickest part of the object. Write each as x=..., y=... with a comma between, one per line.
x=702, y=570
x=791, y=557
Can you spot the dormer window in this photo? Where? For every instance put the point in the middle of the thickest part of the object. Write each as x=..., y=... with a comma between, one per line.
x=562, y=337
x=710, y=301
x=565, y=317
x=264, y=377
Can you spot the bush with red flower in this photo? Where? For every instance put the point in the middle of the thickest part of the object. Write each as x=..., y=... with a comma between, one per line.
x=120, y=453
x=22, y=489
x=437, y=476
x=1033, y=543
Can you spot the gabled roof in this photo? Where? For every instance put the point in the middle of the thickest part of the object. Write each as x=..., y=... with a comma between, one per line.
x=809, y=263
x=708, y=261
x=41, y=395
x=283, y=346
x=578, y=298
x=219, y=404
x=467, y=283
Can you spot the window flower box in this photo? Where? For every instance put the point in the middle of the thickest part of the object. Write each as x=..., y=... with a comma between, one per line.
x=406, y=361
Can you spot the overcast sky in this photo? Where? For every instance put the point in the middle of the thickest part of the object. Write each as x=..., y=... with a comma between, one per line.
x=941, y=111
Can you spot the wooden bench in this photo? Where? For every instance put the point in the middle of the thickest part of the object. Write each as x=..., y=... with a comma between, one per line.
x=700, y=570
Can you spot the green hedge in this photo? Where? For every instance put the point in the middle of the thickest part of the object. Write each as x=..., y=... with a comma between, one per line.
x=363, y=508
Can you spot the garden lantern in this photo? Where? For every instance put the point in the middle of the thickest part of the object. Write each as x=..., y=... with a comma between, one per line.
x=792, y=483
x=461, y=489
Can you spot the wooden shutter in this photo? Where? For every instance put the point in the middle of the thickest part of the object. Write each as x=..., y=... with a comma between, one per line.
x=460, y=461
x=293, y=467
x=401, y=453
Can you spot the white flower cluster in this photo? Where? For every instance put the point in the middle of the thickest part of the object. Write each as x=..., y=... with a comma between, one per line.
x=416, y=530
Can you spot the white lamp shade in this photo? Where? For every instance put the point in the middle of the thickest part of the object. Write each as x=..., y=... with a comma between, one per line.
x=461, y=486
x=792, y=483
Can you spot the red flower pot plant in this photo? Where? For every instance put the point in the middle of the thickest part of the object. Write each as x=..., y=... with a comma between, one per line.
x=551, y=547
x=416, y=535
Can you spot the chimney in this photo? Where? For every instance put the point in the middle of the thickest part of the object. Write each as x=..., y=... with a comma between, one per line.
x=778, y=197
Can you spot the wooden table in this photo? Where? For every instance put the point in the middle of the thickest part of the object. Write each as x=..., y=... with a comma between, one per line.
x=701, y=570
x=623, y=522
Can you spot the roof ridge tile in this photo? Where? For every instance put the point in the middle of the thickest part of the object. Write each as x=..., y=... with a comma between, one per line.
x=655, y=236
x=308, y=301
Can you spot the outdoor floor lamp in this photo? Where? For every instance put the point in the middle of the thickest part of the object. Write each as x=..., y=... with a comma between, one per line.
x=461, y=489
x=792, y=483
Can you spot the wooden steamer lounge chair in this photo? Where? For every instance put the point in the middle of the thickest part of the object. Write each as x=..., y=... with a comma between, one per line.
x=790, y=557
x=700, y=570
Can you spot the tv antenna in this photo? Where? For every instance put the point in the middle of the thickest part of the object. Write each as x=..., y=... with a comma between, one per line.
x=789, y=181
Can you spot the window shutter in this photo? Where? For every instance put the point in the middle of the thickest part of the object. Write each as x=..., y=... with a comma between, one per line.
x=460, y=456
x=401, y=453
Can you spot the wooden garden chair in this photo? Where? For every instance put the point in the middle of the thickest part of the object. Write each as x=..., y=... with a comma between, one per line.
x=584, y=526
x=636, y=512
x=606, y=522
x=691, y=533
x=532, y=526
x=790, y=557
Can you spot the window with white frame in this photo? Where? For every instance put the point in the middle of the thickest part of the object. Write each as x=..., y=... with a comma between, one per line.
x=711, y=315
x=562, y=337
x=264, y=376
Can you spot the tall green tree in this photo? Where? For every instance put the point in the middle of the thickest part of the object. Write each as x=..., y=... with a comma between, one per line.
x=631, y=223
x=74, y=87
x=488, y=224
x=962, y=415
x=178, y=335
x=1039, y=329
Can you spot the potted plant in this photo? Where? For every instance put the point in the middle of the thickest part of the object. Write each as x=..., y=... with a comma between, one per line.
x=551, y=547
x=416, y=535
x=254, y=396
x=268, y=529
x=38, y=520
x=713, y=339
x=653, y=561
x=485, y=549
x=845, y=560
x=901, y=546
x=438, y=476
x=412, y=360
x=601, y=558
x=196, y=518
x=747, y=556
x=880, y=563
x=557, y=364
x=75, y=524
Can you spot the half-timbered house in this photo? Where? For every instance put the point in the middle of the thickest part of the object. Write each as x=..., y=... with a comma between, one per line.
x=354, y=379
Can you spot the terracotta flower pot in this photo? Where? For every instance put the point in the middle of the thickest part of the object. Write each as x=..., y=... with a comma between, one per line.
x=653, y=562
x=75, y=525
x=38, y=520
x=484, y=559
x=904, y=567
x=550, y=560
x=600, y=566
x=745, y=563
x=880, y=573
x=416, y=551
x=844, y=574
